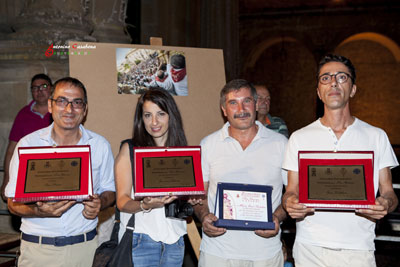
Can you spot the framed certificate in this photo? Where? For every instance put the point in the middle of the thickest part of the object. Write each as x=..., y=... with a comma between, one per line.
x=336, y=180
x=161, y=171
x=54, y=173
x=244, y=206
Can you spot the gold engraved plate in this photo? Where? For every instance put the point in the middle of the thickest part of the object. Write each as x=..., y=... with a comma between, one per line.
x=48, y=175
x=336, y=182
x=168, y=172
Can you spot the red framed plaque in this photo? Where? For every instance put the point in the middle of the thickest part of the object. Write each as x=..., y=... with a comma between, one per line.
x=336, y=180
x=54, y=173
x=161, y=171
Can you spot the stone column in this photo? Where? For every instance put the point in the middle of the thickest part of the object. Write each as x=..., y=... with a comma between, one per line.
x=27, y=29
x=108, y=18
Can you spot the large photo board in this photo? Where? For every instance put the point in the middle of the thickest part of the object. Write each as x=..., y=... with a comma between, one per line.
x=111, y=110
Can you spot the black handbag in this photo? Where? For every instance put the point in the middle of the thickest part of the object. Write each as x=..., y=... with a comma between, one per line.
x=110, y=253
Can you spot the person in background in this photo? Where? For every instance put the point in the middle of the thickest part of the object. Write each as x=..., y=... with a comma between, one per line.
x=30, y=118
x=263, y=105
x=177, y=74
x=160, y=79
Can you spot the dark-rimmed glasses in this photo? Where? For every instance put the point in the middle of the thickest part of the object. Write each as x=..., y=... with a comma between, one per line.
x=340, y=77
x=75, y=103
x=263, y=99
x=42, y=87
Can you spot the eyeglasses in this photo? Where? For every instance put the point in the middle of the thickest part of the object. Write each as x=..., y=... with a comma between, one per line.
x=63, y=102
x=340, y=77
x=42, y=87
x=263, y=99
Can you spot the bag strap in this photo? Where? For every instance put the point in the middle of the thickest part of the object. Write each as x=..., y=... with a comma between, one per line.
x=115, y=230
x=117, y=220
x=131, y=223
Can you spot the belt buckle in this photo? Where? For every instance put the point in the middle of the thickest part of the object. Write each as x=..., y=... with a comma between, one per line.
x=61, y=241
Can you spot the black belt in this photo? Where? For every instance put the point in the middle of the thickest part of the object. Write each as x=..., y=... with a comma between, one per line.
x=60, y=241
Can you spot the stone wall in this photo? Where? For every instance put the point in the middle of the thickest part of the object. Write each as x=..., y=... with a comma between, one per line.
x=27, y=29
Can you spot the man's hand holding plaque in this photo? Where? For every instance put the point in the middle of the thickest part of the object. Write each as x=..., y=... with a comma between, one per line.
x=91, y=207
x=209, y=228
x=270, y=233
x=53, y=208
x=293, y=207
x=375, y=212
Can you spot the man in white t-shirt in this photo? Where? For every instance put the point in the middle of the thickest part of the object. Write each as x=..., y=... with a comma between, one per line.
x=243, y=151
x=338, y=238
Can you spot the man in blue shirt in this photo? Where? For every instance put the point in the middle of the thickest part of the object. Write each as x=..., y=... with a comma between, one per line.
x=263, y=104
x=63, y=233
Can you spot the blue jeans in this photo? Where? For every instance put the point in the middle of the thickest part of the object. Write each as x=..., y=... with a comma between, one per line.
x=148, y=253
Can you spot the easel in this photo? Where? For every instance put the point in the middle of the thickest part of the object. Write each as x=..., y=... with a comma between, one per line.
x=193, y=233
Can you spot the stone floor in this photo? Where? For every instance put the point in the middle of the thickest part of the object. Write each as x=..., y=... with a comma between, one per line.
x=8, y=246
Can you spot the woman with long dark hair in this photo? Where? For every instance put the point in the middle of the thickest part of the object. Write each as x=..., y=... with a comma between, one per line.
x=157, y=240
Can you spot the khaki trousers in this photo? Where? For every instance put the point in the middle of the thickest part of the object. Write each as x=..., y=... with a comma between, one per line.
x=38, y=255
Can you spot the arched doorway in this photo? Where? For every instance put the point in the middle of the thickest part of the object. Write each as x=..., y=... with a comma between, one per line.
x=377, y=62
x=287, y=68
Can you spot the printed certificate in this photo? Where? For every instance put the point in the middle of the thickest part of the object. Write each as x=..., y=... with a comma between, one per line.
x=244, y=206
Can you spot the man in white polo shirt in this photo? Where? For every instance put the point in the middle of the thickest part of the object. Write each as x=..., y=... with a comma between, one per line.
x=243, y=151
x=334, y=238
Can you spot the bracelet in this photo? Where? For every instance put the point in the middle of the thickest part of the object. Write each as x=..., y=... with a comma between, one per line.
x=143, y=209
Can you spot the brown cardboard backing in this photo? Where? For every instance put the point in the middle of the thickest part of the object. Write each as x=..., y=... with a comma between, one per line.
x=111, y=114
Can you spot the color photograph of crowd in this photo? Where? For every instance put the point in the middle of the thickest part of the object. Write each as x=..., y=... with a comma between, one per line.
x=140, y=70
